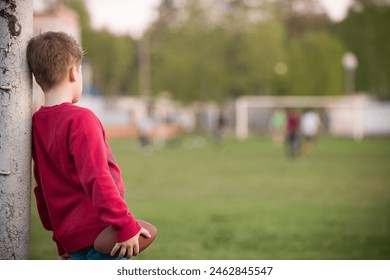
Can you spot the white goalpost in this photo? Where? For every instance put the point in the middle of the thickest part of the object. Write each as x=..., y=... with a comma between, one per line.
x=346, y=113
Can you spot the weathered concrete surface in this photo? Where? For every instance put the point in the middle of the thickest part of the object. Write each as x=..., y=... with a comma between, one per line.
x=16, y=26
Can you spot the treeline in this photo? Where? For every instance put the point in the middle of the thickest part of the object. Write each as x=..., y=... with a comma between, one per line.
x=221, y=49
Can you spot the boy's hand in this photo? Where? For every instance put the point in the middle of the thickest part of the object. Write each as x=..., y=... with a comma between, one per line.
x=129, y=247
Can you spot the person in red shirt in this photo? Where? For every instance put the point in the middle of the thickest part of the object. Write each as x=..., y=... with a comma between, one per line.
x=292, y=137
x=79, y=188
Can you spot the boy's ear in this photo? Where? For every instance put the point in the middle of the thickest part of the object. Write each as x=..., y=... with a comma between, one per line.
x=73, y=74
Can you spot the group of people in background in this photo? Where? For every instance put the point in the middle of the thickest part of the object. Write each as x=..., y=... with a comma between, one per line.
x=297, y=131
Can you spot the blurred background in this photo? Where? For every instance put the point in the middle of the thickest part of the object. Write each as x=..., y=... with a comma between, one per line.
x=197, y=98
x=186, y=61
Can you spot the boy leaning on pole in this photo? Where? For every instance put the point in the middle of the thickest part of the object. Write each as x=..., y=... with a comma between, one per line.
x=79, y=188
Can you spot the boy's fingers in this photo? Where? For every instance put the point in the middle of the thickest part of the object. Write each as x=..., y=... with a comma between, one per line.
x=115, y=249
x=129, y=252
x=136, y=250
x=128, y=255
x=122, y=252
x=145, y=233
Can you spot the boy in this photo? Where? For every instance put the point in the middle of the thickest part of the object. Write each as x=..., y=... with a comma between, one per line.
x=79, y=188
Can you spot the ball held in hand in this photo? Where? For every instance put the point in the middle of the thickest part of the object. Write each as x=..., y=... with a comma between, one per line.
x=106, y=239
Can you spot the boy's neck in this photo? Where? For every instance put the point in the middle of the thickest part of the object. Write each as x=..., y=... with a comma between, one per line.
x=57, y=96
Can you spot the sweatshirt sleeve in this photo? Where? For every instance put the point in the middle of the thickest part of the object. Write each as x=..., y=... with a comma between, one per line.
x=88, y=146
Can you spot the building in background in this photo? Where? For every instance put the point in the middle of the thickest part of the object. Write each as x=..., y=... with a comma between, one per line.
x=58, y=18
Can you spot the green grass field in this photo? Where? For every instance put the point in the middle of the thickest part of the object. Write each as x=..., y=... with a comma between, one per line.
x=245, y=200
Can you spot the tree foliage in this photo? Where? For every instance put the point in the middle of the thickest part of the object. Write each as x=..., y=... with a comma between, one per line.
x=113, y=58
x=114, y=62
x=239, y=52
x=214, y=50
x=315, y=65
x=366, y=33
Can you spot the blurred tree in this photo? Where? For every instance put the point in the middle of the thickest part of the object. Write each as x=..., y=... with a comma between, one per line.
x=113, y=57
x=366, y=33
x=222, y=49
x=114, y=61
x=251, y=57
x=187, y=60
x=301, y=16
x=213, y=50
x=315, y=65
x=203, y=57
x=168, y=11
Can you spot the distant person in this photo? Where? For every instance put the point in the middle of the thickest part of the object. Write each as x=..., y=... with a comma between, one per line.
x=278, y=126
x=326, y=122
x=145, y=127
x=219, y=127
x=292, y=135
x=310, y=126
x=79, y=188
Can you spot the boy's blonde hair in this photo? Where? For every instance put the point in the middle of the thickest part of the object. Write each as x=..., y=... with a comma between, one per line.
x=50, y=55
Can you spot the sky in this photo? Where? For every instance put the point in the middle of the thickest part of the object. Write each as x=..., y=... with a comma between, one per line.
x=336, y=9
x=134, y=16
x=123, y=16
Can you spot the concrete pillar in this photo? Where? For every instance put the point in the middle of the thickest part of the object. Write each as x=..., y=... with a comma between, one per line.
x=16, y=26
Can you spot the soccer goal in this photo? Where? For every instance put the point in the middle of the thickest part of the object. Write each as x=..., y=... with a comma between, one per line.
x=344, y=115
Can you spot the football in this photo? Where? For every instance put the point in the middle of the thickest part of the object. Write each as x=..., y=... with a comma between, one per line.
x=106, y=240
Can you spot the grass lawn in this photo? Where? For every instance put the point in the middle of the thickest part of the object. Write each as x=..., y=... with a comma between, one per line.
x=245, y=200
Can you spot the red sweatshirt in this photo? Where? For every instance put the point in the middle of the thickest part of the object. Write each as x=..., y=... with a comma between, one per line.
x=79, y=188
